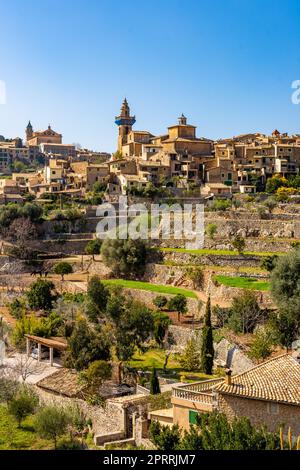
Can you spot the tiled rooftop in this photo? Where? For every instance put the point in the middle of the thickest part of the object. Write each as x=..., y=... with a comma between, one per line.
x=64, y=382
x=277, y=379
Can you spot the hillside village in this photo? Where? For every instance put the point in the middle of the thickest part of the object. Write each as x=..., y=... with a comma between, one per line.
x=137, y=344
x=178, y=159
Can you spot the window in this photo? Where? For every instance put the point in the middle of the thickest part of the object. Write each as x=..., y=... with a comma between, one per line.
x=273, y=408
x=193, y=416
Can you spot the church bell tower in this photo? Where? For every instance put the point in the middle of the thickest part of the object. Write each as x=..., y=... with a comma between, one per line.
x=125, y=123
x=29, y=131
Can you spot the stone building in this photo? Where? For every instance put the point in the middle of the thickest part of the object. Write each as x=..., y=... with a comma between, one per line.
x=48, y=136
x=67, y=151
x=89, y=173
x=13, y=150
x=178, y=153
x=252, y=158
x=268, y=394
x=243, y=162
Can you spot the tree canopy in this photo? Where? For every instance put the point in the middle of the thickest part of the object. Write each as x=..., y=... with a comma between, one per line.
x=40, y=296
x=85, y=345
x=214, y=432
x=124, y=257
x=62, y=269
x=97, y=295
x=285, y=282
x=93, y=247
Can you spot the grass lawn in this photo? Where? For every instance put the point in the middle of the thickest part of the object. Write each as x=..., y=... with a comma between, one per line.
x=12, y=438
x=160, y=289
x=153, y=358
x=220, y=252
x=243, y=282
x=156, y=358
x=25, y=437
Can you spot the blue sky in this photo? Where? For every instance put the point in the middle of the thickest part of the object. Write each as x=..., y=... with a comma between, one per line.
x=227, y=64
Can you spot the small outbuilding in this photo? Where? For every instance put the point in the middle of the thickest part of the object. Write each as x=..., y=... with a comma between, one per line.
x=57, y=343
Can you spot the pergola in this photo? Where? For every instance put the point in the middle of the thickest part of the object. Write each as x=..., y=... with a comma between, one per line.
x=52, y=343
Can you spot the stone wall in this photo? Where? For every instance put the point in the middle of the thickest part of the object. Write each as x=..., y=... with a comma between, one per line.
x=260, y=413
x=147, y=298
x=288, y=213
x=167, y=275
x=144, y=296
x=253, y=227
x=52, y=228
x=68, y=247
x=178, y=337
x=212, y=260
x=252, y=244
x=223, y=293
x=105, y=420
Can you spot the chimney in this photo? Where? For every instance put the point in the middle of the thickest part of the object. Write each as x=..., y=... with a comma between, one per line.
x=228, y=377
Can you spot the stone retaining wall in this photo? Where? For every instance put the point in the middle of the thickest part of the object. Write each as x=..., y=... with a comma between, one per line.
x=212, y=260
x=178, y=337
x=147, y=298
x=105, y=420
x=144, y=296
x=224, y=293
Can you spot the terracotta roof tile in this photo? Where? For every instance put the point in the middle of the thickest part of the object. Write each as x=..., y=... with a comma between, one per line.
x=63, y=382
x=275, y=380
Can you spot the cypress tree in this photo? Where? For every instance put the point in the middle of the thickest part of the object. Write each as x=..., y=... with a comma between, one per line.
x=207, y=346
x=154, y=383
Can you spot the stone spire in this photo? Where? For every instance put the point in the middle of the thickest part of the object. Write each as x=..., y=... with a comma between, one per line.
x=29, y=130
x=125, y=110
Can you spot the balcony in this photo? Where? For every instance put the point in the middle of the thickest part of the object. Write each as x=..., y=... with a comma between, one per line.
x=199, y=393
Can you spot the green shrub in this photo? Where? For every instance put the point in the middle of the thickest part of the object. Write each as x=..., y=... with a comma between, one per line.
x=23, y=404
x=221, y=205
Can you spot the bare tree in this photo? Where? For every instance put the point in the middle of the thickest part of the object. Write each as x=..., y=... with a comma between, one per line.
x=25, y=367
x=21, y=231
x=9, y=384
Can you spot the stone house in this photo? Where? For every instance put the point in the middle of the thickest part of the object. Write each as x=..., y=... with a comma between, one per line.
x=268, y=394
x=219, y=190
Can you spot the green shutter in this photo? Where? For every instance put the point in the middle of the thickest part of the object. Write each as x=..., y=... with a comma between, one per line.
x=193, y=417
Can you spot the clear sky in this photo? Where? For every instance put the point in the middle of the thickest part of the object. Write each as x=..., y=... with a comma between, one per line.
x=227, y=65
